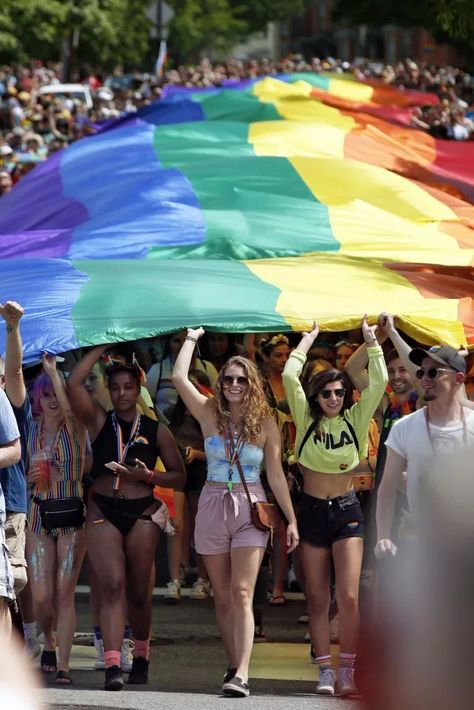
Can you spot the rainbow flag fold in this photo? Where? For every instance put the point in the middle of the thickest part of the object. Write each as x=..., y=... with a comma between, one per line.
x=259, y=206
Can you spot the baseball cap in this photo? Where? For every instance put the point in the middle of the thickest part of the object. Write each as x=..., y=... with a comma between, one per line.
x=444, y=354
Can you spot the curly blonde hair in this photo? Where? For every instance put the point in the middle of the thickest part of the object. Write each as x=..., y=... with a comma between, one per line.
x=255, y=408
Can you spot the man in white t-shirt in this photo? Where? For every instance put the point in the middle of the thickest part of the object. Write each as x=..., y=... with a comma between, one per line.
x=426, y=614
x=418, y=442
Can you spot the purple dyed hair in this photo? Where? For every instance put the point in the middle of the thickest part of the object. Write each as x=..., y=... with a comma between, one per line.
x=42, y=386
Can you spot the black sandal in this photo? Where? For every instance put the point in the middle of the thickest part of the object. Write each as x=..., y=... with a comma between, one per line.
x=63, y=678
x=48, y=660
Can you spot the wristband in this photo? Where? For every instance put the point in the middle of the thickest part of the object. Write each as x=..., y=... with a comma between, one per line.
x=190, y=337
x=149, y=477
x=371, y=342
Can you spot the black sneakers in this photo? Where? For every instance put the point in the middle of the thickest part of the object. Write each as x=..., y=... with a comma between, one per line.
x=113, y=678
x=229, y=674
x=236, y=687
x=139, y=673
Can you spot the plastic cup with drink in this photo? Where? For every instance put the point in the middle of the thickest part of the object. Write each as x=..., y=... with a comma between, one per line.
x=42, y=460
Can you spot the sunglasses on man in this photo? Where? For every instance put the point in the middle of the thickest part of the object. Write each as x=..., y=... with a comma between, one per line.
x=432, y=372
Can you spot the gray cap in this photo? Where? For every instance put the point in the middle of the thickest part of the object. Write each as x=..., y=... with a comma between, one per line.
x=444, y=354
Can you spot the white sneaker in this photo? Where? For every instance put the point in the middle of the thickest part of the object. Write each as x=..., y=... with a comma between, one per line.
x=345, y=682
x=173, y=592
x=99, y=663
x=32, y=647
x=327, y=682
x=200, y=589
x=126, y=655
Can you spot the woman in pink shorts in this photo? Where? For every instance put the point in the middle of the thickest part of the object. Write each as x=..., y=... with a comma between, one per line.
x=236, y=423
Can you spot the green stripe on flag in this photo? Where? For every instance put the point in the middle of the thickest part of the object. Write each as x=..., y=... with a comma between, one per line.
x=132, y=299
x=254, y=206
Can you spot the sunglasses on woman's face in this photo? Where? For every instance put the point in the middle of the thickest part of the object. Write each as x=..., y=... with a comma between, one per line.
x=325, y=394
x=431, y=372
x=228, y=381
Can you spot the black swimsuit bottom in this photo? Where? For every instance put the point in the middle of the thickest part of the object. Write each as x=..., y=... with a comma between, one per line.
x=123, y=512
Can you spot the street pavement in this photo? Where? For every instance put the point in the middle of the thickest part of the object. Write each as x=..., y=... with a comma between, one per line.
x=187, y=664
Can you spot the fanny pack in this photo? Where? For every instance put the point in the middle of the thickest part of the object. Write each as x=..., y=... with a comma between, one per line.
x=57, y=513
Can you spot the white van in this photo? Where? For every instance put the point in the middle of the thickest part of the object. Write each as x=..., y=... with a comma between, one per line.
x=69, y=91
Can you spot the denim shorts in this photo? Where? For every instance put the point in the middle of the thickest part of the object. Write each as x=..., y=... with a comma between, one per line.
x=322, y=522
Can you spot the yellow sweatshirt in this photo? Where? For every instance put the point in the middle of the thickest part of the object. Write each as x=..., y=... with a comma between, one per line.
x=334, y=450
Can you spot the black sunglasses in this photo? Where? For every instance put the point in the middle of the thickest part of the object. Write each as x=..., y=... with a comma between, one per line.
x=325, y=394
x=431, y=372
x=228, y=381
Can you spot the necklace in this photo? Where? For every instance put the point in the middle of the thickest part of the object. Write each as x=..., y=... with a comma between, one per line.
x=236, y=426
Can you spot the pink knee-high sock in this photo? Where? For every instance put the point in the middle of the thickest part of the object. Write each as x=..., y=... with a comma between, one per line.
x=142, y=649
x=112, y=658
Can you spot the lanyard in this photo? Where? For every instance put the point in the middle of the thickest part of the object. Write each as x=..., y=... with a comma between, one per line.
x=232, y=450
x=122, y=448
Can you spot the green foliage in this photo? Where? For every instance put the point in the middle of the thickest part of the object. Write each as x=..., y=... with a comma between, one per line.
x=203, y=24
x=110, y=31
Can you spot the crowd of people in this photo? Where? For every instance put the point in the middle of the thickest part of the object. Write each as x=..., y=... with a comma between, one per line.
x=103, y=449
x=33, y=125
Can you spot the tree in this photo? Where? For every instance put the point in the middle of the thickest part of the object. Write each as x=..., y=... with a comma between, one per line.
x=109, y=31
x=198, y=25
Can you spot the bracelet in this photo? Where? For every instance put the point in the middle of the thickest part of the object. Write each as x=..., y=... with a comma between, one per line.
x=371, y=342
x=9, y=328
x=149, y=477
x=190, y=337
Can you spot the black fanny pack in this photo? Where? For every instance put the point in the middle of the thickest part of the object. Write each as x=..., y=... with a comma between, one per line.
x=61, y=513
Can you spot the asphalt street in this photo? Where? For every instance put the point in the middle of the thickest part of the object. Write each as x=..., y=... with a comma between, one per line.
x=187, y=664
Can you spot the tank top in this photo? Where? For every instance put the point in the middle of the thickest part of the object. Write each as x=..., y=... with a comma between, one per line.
x=142, y=446
x=251, y=458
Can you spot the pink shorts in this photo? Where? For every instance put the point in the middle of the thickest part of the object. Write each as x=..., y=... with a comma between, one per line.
x=223, y=519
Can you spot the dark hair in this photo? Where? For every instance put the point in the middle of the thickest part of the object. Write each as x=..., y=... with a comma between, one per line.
x=392, y=355
x=316, y=386
x=266, y=345
x=129, y=369
x=126, y=350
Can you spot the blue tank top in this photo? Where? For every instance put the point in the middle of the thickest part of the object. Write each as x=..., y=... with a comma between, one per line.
x=251, y=458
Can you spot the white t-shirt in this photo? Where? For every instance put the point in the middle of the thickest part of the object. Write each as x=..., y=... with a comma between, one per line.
x=449, y=455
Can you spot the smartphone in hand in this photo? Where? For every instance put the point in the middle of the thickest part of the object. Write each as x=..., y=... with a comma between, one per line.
x=116, y=467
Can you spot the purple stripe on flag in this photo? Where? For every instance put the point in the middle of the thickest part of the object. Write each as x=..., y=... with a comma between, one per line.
x=47, y=243
x=42, y=191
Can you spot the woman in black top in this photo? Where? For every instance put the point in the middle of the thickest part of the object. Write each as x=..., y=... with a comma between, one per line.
x=121, y=537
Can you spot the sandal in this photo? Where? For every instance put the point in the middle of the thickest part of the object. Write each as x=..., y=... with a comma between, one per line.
x=63, y=678
x=277, y=600
x=48, y=662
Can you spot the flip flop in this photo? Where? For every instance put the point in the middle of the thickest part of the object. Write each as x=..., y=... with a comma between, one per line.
x=48, y=662
x=63, y=678
x=277, y=600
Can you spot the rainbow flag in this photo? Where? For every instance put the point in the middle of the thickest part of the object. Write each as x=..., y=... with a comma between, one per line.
x=256, y=207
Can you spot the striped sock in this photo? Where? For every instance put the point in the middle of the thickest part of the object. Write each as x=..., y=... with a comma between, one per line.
x=347, y=660
x=97, y=633
x=323, y=662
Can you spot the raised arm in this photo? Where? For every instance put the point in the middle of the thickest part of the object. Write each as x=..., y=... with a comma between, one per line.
x=82, y=403
x=49, y=367
x=295, y=394
x=249, y=346
x=15, y=388
x=362, y=412
x=403, y=350
x=196, y=402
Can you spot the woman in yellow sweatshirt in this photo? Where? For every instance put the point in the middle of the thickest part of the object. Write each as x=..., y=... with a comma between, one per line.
x=331, y=438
